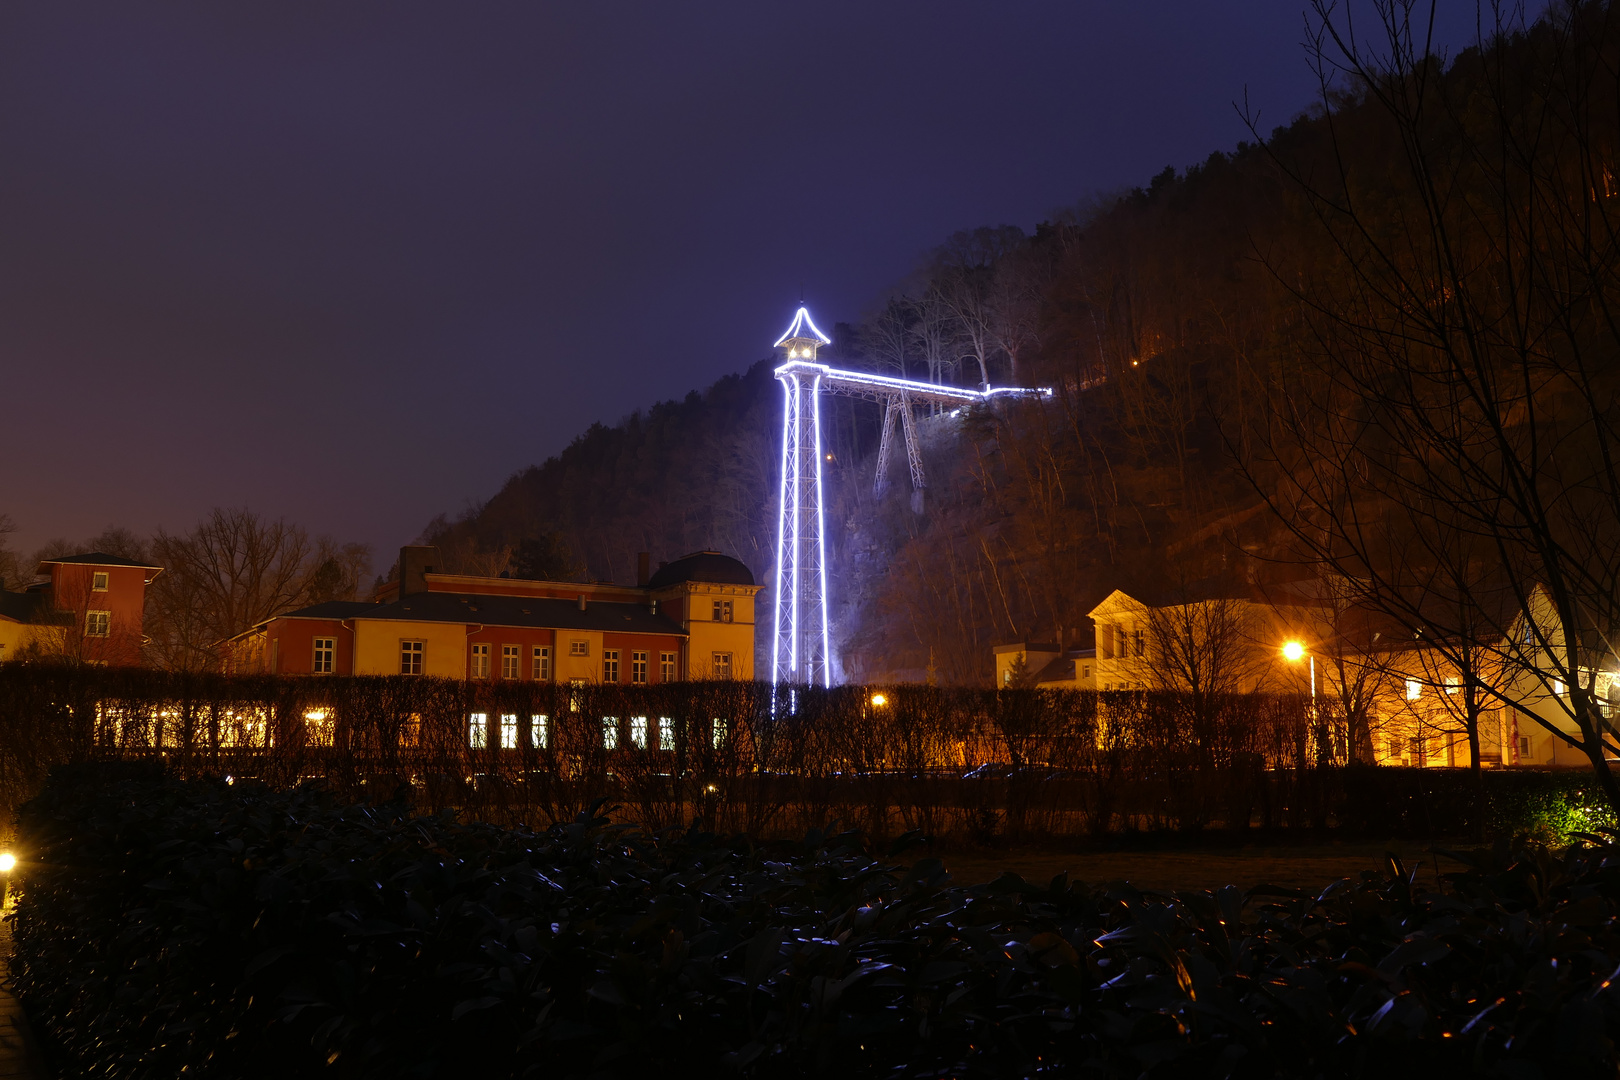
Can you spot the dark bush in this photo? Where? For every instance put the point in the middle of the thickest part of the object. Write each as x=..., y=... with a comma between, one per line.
x=172, y=928
x=1543, y=804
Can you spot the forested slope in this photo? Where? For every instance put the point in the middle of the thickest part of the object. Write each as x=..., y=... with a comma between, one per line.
x=1182, y=327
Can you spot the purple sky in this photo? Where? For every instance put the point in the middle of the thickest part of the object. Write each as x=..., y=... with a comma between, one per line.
x=356, y=263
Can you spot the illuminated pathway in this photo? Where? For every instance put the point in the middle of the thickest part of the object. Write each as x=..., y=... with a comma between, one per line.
x=802, y=651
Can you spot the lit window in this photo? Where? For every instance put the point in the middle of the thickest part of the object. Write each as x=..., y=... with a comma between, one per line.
x=579, y=648
x=480, y=661
x=509, y=661
x=325, y=653
x=318, y=727
x=638, y=668
x=666, y=667
x=719, y=732
x=538, y=735
x=666, y=733
x=98, y=581
x=478, y=730
x=509, y=732
x=1453, y=684
x=1414, y=689
x=542, y=664
x=610, y=665
x=1559, y=689
x=576, y=689
x=722, y=665
x=638, y=732
x=97, y=623
x=410, y=658
x=610, y=732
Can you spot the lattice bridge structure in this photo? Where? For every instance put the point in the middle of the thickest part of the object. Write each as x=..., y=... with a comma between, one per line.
x=802, y=642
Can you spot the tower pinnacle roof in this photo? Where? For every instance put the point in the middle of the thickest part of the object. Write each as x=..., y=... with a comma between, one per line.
x=803, y=328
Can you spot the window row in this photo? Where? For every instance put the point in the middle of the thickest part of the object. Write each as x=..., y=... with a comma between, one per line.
x=643, y=732
x=411, y=656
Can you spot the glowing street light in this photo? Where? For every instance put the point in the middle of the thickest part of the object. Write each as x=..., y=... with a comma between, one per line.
x=879, y=700
x=8, y=862
x=1294, y=652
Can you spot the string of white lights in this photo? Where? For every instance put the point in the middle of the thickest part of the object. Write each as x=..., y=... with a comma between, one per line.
x=801, y=571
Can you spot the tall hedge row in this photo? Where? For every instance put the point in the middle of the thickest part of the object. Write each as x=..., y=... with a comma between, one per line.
x=955, y=763
x=172, y=928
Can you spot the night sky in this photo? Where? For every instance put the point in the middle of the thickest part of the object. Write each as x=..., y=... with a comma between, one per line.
x=356, y=263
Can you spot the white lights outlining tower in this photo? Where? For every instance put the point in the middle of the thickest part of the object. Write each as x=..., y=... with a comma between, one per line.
x=802, y=649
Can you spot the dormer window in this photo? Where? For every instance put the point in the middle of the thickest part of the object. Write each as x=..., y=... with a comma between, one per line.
x=98, y=581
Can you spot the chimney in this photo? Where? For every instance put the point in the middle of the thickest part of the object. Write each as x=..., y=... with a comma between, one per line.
x=415, y=563
x=643, y=568
x=582, y=601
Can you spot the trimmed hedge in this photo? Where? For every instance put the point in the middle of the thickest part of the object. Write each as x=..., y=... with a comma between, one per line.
x=170, y=928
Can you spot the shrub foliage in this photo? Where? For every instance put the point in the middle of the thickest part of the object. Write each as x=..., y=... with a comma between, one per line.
x=170, y=928
x=955, y=763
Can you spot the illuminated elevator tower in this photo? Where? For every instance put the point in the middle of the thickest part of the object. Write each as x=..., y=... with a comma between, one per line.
x=802, y=652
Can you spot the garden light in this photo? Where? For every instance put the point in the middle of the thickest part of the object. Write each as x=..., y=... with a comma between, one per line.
x=8, y=862
x=879, y=700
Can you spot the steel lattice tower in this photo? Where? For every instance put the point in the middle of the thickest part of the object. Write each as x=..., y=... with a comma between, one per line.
x=803, y=642
x=802, y=652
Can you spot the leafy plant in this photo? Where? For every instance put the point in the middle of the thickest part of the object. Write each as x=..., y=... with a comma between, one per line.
x=172, y=928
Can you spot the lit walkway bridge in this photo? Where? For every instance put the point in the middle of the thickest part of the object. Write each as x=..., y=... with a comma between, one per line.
x=802, y=649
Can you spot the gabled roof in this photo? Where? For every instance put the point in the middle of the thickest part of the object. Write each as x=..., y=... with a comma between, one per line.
x=97, y=558
x=332, y=609
x=529, y=612
x=802, y=327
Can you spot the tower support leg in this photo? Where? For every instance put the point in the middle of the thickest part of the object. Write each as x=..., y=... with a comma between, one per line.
x=913, y=456
x=891, y=417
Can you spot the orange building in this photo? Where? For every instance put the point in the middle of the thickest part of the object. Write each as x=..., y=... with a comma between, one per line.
x=693, y=618
x=90, y=609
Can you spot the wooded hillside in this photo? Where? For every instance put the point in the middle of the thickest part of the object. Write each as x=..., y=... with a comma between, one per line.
x=1190, y=330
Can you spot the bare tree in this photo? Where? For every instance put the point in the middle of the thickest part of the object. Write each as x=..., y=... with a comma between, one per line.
x=234, y=570
x=1461, y=321
x=934, y=334
x=885, y=339
x=966, y=283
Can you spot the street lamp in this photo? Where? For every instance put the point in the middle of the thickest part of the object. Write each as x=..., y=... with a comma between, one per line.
x=879, y=700
x=1294, y=652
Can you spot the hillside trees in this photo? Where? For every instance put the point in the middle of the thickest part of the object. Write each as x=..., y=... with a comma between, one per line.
x=1198, y=334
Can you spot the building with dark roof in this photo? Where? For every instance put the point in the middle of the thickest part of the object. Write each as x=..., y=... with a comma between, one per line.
x=692, y=618
x=89, y=608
